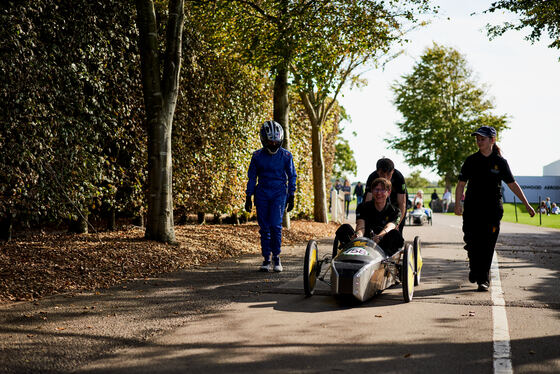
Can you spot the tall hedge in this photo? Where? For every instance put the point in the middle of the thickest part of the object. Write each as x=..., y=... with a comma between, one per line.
x=72, y=128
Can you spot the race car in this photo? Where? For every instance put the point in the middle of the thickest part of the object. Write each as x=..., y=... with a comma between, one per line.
x=420, y=216
x=362, y=269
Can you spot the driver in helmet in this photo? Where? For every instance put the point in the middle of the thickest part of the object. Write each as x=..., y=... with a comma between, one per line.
x=273, y=168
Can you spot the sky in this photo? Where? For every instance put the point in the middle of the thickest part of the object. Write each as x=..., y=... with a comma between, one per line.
x=522, y=78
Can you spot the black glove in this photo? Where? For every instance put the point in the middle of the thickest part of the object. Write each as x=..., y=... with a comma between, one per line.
x=248, y=204
x=290, y=203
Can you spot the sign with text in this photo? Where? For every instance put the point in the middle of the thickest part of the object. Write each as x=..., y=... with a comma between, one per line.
x=533, y=187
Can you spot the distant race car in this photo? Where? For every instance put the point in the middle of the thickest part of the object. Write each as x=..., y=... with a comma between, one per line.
x=420, y=216
x=362, y=269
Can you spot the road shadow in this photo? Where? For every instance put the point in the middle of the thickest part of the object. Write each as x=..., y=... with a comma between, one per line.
x=60, y=334
x=535, y=257
x=421, y=356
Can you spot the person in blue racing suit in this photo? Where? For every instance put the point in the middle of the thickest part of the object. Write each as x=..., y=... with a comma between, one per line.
x=273, y=166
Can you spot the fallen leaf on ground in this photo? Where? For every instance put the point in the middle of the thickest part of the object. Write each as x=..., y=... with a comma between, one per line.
x=57, y=262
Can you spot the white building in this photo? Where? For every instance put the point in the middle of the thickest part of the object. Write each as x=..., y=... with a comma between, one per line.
x=536, y=188
x=552, y=169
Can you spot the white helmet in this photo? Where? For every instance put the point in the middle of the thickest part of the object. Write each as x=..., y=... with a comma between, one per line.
x=272, y=136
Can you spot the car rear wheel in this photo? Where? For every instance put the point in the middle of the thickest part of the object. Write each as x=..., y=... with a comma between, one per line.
x=407, y=273
x=310, y=266
x=417, y=246
x=335, y=246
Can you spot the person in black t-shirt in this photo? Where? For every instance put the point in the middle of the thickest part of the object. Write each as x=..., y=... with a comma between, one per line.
x=484, y=171
x=386, y=169
x=359, y=193
x=378, y=219
x=434, y=198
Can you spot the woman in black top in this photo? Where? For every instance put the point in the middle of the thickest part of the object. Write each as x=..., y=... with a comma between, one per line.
x=484, y=171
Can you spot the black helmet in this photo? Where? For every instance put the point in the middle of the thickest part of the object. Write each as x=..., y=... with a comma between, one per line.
x=272, y=136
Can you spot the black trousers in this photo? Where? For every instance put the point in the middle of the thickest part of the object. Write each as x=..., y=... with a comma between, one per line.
x=480, y=241
x=391, y=242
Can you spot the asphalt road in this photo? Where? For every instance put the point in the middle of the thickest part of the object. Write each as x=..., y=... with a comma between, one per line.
x=229, y=318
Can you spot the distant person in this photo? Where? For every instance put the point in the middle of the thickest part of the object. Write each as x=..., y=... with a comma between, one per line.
x=446, y=200
x=419, y=209
x=419, y=198
x=554, y=209
x=542, y=208
x=273, y=167
x=484, y=172
x=359, y=193
x=434, y=198
x=548, y=205
x=347, y=191
x=337, y=186
x=386, y=169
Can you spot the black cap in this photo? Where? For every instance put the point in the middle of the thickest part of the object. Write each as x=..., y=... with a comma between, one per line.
x=487, y=131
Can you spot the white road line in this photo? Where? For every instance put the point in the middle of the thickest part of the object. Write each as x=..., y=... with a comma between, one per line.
x=502, y=352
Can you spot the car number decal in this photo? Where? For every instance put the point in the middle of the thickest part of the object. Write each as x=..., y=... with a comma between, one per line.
x=356, y=252
x=359, y=244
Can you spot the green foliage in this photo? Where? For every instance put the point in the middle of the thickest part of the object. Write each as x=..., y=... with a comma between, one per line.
x=319, y=43
x=441, y=106
x=300, y=146
x=344, y=162
x=223, y=103
x=415, y=181
x=540, y=16
x=218, y=115
x=322, y=44
x=70, y=119
x=344, y=36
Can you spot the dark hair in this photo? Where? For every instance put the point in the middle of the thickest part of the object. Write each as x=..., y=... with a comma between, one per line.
x=385, y=165
x=496, y=149
x=385, y=182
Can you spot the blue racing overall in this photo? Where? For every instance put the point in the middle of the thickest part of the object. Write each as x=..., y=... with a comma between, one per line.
x=276, y=176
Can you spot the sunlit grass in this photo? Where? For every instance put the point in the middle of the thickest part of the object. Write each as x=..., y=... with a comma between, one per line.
x=552, y=220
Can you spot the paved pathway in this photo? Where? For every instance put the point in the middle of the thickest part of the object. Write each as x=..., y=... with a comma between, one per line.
x=447, y=328
x=229, y=318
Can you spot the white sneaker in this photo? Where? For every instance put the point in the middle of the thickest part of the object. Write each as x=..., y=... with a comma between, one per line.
x=265, y=267
x=277, y=265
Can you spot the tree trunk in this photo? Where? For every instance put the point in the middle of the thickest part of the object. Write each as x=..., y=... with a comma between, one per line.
x=201, y=218
x=319, y=186
x=79, y=226
x=111, y=220
x=217, y=219
x=160, y=99
x=317, y=115
x=138, y=220
x=281, y=115
x=6, y=228
x=448, y=182
x=159, y=220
